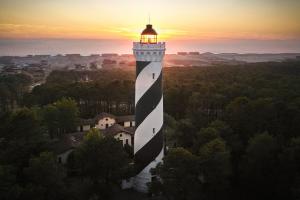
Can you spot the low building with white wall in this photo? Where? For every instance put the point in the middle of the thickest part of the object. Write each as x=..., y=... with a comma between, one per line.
x=104, y=120
x=126, y=121
x=120, y=133
x=66, y=145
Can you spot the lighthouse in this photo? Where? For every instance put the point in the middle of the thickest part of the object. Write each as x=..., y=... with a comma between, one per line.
x=148, y=138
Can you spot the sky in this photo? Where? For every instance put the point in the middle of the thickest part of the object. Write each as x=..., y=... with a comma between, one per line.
x=173, y=19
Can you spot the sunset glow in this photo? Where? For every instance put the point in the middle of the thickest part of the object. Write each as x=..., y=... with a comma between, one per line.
x=173, y=19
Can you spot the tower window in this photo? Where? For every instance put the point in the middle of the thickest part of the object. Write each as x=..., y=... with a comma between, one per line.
x=153, y=130
x=153, y=75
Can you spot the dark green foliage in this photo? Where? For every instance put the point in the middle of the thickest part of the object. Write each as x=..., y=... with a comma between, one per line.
x=234, y=130
x=109, y=91
x=44, y=178
x=12, y=89
x=180, y=174
x=260, y=167
x=103, y=161
x=214, y=158
x=21, y=137
x=8, y=187
x=129, y=150
x=170, y=131
x=61, y=117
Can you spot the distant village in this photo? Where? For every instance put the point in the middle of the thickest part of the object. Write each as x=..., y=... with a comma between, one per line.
x=38, y=67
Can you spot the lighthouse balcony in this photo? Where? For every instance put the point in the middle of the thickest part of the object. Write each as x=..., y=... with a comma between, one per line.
x=149, y=46
x=149, y=52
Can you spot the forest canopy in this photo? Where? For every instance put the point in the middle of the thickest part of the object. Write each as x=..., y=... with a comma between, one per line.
x=232, y=132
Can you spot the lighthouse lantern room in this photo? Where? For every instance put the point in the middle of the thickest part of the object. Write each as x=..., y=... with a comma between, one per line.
x=149, y=35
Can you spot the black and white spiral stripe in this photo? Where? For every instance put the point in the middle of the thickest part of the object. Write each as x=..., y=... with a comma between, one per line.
x=148, y=139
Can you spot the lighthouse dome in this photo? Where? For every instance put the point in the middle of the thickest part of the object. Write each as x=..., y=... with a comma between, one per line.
x=149, y=30
x=149, y=35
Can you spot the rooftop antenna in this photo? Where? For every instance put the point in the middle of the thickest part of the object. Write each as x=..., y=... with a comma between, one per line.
x=149, y=18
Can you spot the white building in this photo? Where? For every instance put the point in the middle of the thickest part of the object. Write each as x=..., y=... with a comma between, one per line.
x=124, y=134
x=120, y=127
x=104, y=120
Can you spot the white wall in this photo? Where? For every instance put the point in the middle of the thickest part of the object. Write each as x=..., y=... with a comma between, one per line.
x=127, y=124
x=123, y=136
x=84, y=127
x=101, y=124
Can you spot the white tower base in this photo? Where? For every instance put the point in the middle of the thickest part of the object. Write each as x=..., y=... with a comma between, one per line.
x=144, y=177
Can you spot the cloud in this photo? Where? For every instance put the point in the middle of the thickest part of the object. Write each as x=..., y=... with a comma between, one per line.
x=28, y=31
x=44, y=31
x=131, y=33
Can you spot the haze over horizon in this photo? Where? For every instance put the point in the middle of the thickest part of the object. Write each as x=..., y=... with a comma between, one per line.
x=248, y=26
